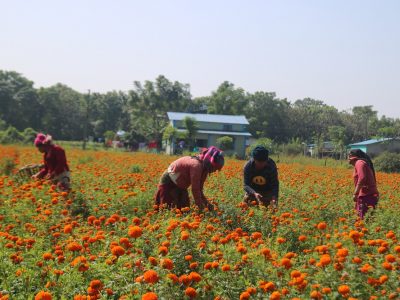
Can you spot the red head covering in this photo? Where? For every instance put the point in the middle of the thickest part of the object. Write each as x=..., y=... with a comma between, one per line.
x=42, y=139
x=214, y=156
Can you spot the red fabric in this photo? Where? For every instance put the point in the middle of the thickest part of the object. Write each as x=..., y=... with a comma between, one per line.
x=364, y=176
x=172, y=196
x=363, y=203
x=187, y=171
x=55, y=161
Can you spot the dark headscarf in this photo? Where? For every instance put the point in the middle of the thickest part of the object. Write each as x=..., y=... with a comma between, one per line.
x=260, y=153
x=362, y=156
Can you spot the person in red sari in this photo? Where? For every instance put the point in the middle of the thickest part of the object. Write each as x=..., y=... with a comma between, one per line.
x=55, y=162
x=185, y=172
x=366, y=193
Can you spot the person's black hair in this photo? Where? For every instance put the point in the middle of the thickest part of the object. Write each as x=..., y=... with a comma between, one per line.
x=363, y=156
x=260, y=153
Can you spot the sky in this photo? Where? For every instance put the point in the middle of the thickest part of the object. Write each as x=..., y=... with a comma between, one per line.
x=343, y=52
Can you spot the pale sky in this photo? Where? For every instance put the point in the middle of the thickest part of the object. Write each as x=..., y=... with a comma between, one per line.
x=344, y=52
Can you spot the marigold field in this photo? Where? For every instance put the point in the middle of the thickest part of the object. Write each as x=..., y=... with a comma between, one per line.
x=105, y=240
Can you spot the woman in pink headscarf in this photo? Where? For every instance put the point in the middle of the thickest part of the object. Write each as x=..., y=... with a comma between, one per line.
x=185, y=172
x=366, y=193
x=55, y=162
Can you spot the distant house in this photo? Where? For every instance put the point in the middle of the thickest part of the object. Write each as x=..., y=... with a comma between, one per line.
x=210, y=128
x=326, y=149
x=375, y=147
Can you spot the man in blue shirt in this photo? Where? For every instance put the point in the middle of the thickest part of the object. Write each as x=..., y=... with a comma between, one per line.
x=261, y=182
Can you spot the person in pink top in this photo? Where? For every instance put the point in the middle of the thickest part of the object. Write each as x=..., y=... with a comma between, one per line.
x=366, y=192
x=185, y=172
x=55, y=162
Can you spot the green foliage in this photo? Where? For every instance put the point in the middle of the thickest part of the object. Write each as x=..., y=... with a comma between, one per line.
x=109, y=135
x=29, y=135
x=265, y=142
x=11, y=135
x=191, y=129
x=388, y=162
x=169, y=133
x=7, y=165
x=225, y=143
x=293, y=148
x=136, y=169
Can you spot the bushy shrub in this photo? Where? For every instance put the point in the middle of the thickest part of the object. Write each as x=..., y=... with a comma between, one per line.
x=225, y=143
x=28, y=135
x=11, y=135
x=388, y=162
x=293, y=149
x=7, y=165
x=266, y=142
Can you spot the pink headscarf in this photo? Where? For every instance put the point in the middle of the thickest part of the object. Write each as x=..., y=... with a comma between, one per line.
x=214, y=156
x=42, y=139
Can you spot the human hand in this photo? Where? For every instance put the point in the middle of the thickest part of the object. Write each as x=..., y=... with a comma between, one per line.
x=258, y=196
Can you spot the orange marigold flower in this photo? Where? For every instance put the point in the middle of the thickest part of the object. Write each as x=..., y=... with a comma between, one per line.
x=390, y=258
x=357, y=260
x=302, y=238
x=382, y=249
x=173, y=277
x=117, y=251
x=281, y=240
x=344, y=289
x=194, y=276
x=315, y=295
x=184, y=235
x=188, y=257
x=68, y=228
x=387, y=266
x=42, y=295
x=96, y=284
x=194, y=265
x=295, y=274
x=321, y=226
x=226, y=268
x=163, y=250
x=153, y=261
x=207, y=265
x=47, y=256
x=326, y=290
x=343, y=252
x=135, y=231
x=275, y=296
x=150, y=296
x=150, y=276
x=167, y=264
x=286, y=262
x=190, y=292
x=244, y=296
x=74, y=246
x=325, y=260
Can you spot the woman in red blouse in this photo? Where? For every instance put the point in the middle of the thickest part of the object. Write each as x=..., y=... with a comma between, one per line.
x=366, y=192
x=55, y=162
x=185, y=172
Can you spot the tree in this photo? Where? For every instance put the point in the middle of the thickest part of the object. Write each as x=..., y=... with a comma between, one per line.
x=150, y=102
x=19, y=105
x=227, y=100
x=337, y=134
x=310, y=119
x=65, y=112
x=268, y=116
x=364, y=115
x=191, y=129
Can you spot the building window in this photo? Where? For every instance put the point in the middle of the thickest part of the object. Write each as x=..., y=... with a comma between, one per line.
x=227, y=127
